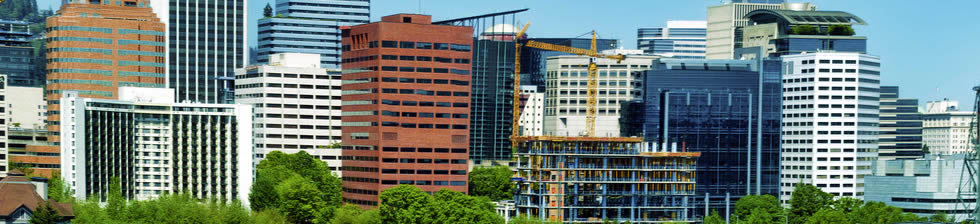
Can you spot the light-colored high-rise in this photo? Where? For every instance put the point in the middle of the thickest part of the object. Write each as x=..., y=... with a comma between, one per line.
x=4, y=123
x=156, y=146
x=566, y=94
x=945, y=129
x=297, y=106
x=830, y=121
x=28, y=109
x=725, y=23
x=680, y=39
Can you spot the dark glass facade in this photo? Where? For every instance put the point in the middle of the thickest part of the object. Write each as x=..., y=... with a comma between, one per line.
x=788, y=46
x=717, y=107
x=534, y=61
x=900, y=124
x=491, y=116
x=17, y=55
x=207, y=43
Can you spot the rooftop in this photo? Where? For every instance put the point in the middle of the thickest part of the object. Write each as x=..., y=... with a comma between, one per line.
x=791, y=17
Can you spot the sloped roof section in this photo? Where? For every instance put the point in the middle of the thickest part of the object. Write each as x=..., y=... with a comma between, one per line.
x=791, y=17
x=16, y=191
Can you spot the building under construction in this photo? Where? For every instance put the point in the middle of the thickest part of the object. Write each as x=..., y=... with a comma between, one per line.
x=591, y=179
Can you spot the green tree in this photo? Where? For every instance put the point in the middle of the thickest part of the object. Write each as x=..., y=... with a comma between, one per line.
x=847, y=204
x=404, y=204
x=44, y=213
x=455, y=207
x=925, y=149
x=747, y=205
x=346, y=215
x=840, y=30
x=491, y=182
x=828, y=216
x=267, y=11
x=300, y=200
x=940, y=217
x=372, y=216
x=263, y=195
x=714, y=218
x=58, y=190
x=805, y=201
x=878, y=212
x=116, y=204
x=804, y=30
x=523, y=219
x=269, y=216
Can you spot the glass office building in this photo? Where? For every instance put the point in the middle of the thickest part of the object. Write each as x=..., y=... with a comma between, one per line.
x=716, y=107
x=309, y=26
x=680, y=39
x=206, y=42
x=900, y=126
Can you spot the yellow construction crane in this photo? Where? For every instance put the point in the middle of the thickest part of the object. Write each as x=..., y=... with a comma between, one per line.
x=592, y=92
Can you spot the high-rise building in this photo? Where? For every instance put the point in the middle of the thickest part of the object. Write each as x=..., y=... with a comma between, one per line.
x=924, y=186
x=597, y=179
x=534, y=62
x=27, y=110
x=93, y=48
x=4, y=126
x=785, y=32
x=680, y=39
x=406, y=107
x=205, y=43
x=725, y=23
x=309, y=26
x=567, y=82
x=728, y=110
x=900, y=127
x=297, y=106
x=945, y=129
x=156, y=146
x=17, y=55
x=830, y=121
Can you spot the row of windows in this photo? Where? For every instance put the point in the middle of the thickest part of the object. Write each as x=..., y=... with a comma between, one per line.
x=297, y=106
x=287, y=85
x=423, y=103
x=413, y=69
x=421, y=160
x=417, y=114
x=288, y=75
x=308, y=137
x=300, y=116
x=420, y=45
x=294, y=126
x=80, y=81
x=812, y=61
x=406, y=91
x=143, y=74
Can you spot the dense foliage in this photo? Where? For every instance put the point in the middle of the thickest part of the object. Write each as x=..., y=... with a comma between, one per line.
x=810, y=205
x=840, y=30
x=409, y=204
x=45, y=214
x=20, y=10
x=298, y=185
x=491, y=182
x=804, y=30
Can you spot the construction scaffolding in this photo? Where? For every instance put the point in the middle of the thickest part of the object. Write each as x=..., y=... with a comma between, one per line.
x=592, y=179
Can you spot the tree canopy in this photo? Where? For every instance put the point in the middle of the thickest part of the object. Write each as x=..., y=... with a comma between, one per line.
x=299, y=185
x=409, y=204
x=45, y=214
x=491, y=182
x=810, y=205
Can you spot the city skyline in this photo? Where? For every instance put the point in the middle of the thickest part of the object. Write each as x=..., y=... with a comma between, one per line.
x=903, y=69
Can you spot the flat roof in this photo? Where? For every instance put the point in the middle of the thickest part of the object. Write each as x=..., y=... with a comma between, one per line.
x=763, y=16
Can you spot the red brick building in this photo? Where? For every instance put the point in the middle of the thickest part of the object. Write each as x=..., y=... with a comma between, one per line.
x=94, y=47
x=406, y=108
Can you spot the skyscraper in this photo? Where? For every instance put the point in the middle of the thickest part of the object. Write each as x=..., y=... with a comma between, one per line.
x=95, y=47
x=406, y=106
x=725, y=23
x=680, y=39
x=728, y=110
x=786, y=32
x=830, y=121
x=900, y=135
x=297, y=106
x=309, y=26
x=206, y=42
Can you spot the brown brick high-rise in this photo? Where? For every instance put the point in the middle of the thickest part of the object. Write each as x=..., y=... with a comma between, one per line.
x=94, y=47
x=406, y=112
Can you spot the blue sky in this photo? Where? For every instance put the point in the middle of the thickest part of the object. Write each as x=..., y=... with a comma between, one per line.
x=929, y=50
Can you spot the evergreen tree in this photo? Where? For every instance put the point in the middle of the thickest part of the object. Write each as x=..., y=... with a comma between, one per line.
x=44, y=213
x=267, y=12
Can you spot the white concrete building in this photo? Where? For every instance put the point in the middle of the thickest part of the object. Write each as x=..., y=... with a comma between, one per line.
x=156, y=146
x=4, y=124
x=28, y=109
x=830, y=121
x=725, y=23
x=680, y=39
x=531, y=121
x=566, y=94
x=924, y=186
x=297, y=106
x=945, y=130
